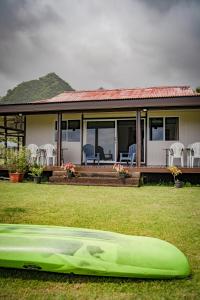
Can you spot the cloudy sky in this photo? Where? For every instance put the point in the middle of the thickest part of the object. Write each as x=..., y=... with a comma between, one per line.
x=100, y=43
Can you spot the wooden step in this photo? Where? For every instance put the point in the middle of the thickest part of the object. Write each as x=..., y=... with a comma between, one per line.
x=95, y=169
x=90, y=173
x=107, y=181
x=97, y=174
x=87, y=174
x=59, y=173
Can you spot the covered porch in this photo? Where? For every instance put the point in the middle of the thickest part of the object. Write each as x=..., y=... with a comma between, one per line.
x=110, y=121
x=109, y=132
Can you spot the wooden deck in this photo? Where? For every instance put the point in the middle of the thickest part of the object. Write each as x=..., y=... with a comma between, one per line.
x=104, y=175
x=163, y=169
x=102, y=168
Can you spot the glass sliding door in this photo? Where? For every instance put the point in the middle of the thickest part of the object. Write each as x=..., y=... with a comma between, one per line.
x=112, y=137
x=126, y=130
x=101, y=134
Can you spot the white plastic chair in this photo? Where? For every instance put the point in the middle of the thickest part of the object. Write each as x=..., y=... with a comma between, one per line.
x=50, y=154
x=195, y=153
x=176, y=152
x=34, y=153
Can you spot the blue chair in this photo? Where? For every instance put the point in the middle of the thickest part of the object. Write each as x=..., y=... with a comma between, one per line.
x=130, y=156
x=89, y=151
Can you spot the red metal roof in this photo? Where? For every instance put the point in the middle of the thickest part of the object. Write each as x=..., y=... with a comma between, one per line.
x=120, y=94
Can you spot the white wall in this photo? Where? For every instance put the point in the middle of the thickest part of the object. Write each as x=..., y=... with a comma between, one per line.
x=189, y=132
x=40, y=129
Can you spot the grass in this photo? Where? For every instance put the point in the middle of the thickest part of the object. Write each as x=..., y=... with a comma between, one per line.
x=163, y=212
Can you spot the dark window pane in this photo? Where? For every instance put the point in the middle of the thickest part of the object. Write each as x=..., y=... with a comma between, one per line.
x=156, y=129
x=126, y=134
x=73, y=124
x=171, y=129
x=100, y=124
x=73, y=131
x=63, y=125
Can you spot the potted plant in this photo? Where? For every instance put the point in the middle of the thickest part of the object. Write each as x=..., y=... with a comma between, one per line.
x=17, y=163
x=122, y=172
x=36, y=172
x=175, y=172
x=70, y=169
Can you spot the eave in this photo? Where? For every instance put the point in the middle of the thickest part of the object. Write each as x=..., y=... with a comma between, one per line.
x=105, y=105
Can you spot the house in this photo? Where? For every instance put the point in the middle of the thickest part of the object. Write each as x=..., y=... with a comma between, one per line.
x=152, y=118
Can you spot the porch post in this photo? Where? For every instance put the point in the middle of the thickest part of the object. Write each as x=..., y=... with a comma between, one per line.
x=5, y=138
x=5, y=134
x=145, y=135
x=59, y=138
x=138, y=138
x=24, y=135
x=82, y=116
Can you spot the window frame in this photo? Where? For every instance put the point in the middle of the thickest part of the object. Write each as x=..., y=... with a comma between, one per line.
x=67, y=125
x=164, y=128
x=75, y=141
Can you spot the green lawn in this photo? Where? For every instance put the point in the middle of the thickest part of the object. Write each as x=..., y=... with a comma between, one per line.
x=163, y=212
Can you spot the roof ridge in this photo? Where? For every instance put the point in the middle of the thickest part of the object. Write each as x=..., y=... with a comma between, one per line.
x=130, y=89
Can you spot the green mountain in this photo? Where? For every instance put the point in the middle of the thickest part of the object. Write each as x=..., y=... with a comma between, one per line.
x=43, y=88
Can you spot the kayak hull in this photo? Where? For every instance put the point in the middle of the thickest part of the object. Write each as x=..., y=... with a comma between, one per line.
x=89, y=252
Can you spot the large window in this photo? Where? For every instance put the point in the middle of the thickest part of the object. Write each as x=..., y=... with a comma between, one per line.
x=70, y=131
x=164, y=129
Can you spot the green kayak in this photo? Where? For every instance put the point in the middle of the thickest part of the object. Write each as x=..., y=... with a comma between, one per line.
x=89, y=252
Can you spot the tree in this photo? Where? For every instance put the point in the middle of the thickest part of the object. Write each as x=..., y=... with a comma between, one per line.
x=198, y=89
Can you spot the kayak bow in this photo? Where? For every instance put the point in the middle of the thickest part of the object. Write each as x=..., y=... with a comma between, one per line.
x=89, y=252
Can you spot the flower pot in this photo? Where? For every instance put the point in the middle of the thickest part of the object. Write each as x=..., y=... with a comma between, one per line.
x=69, y=174
x=16, y=177
x=37, y=179
x=122, y=175
x=179, y=184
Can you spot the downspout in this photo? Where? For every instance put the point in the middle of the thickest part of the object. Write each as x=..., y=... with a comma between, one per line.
x=24, y=135
x=59, y=138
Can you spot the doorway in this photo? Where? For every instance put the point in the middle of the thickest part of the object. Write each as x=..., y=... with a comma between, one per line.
x=126, y=130
x=101, y=134
x=112, y=137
